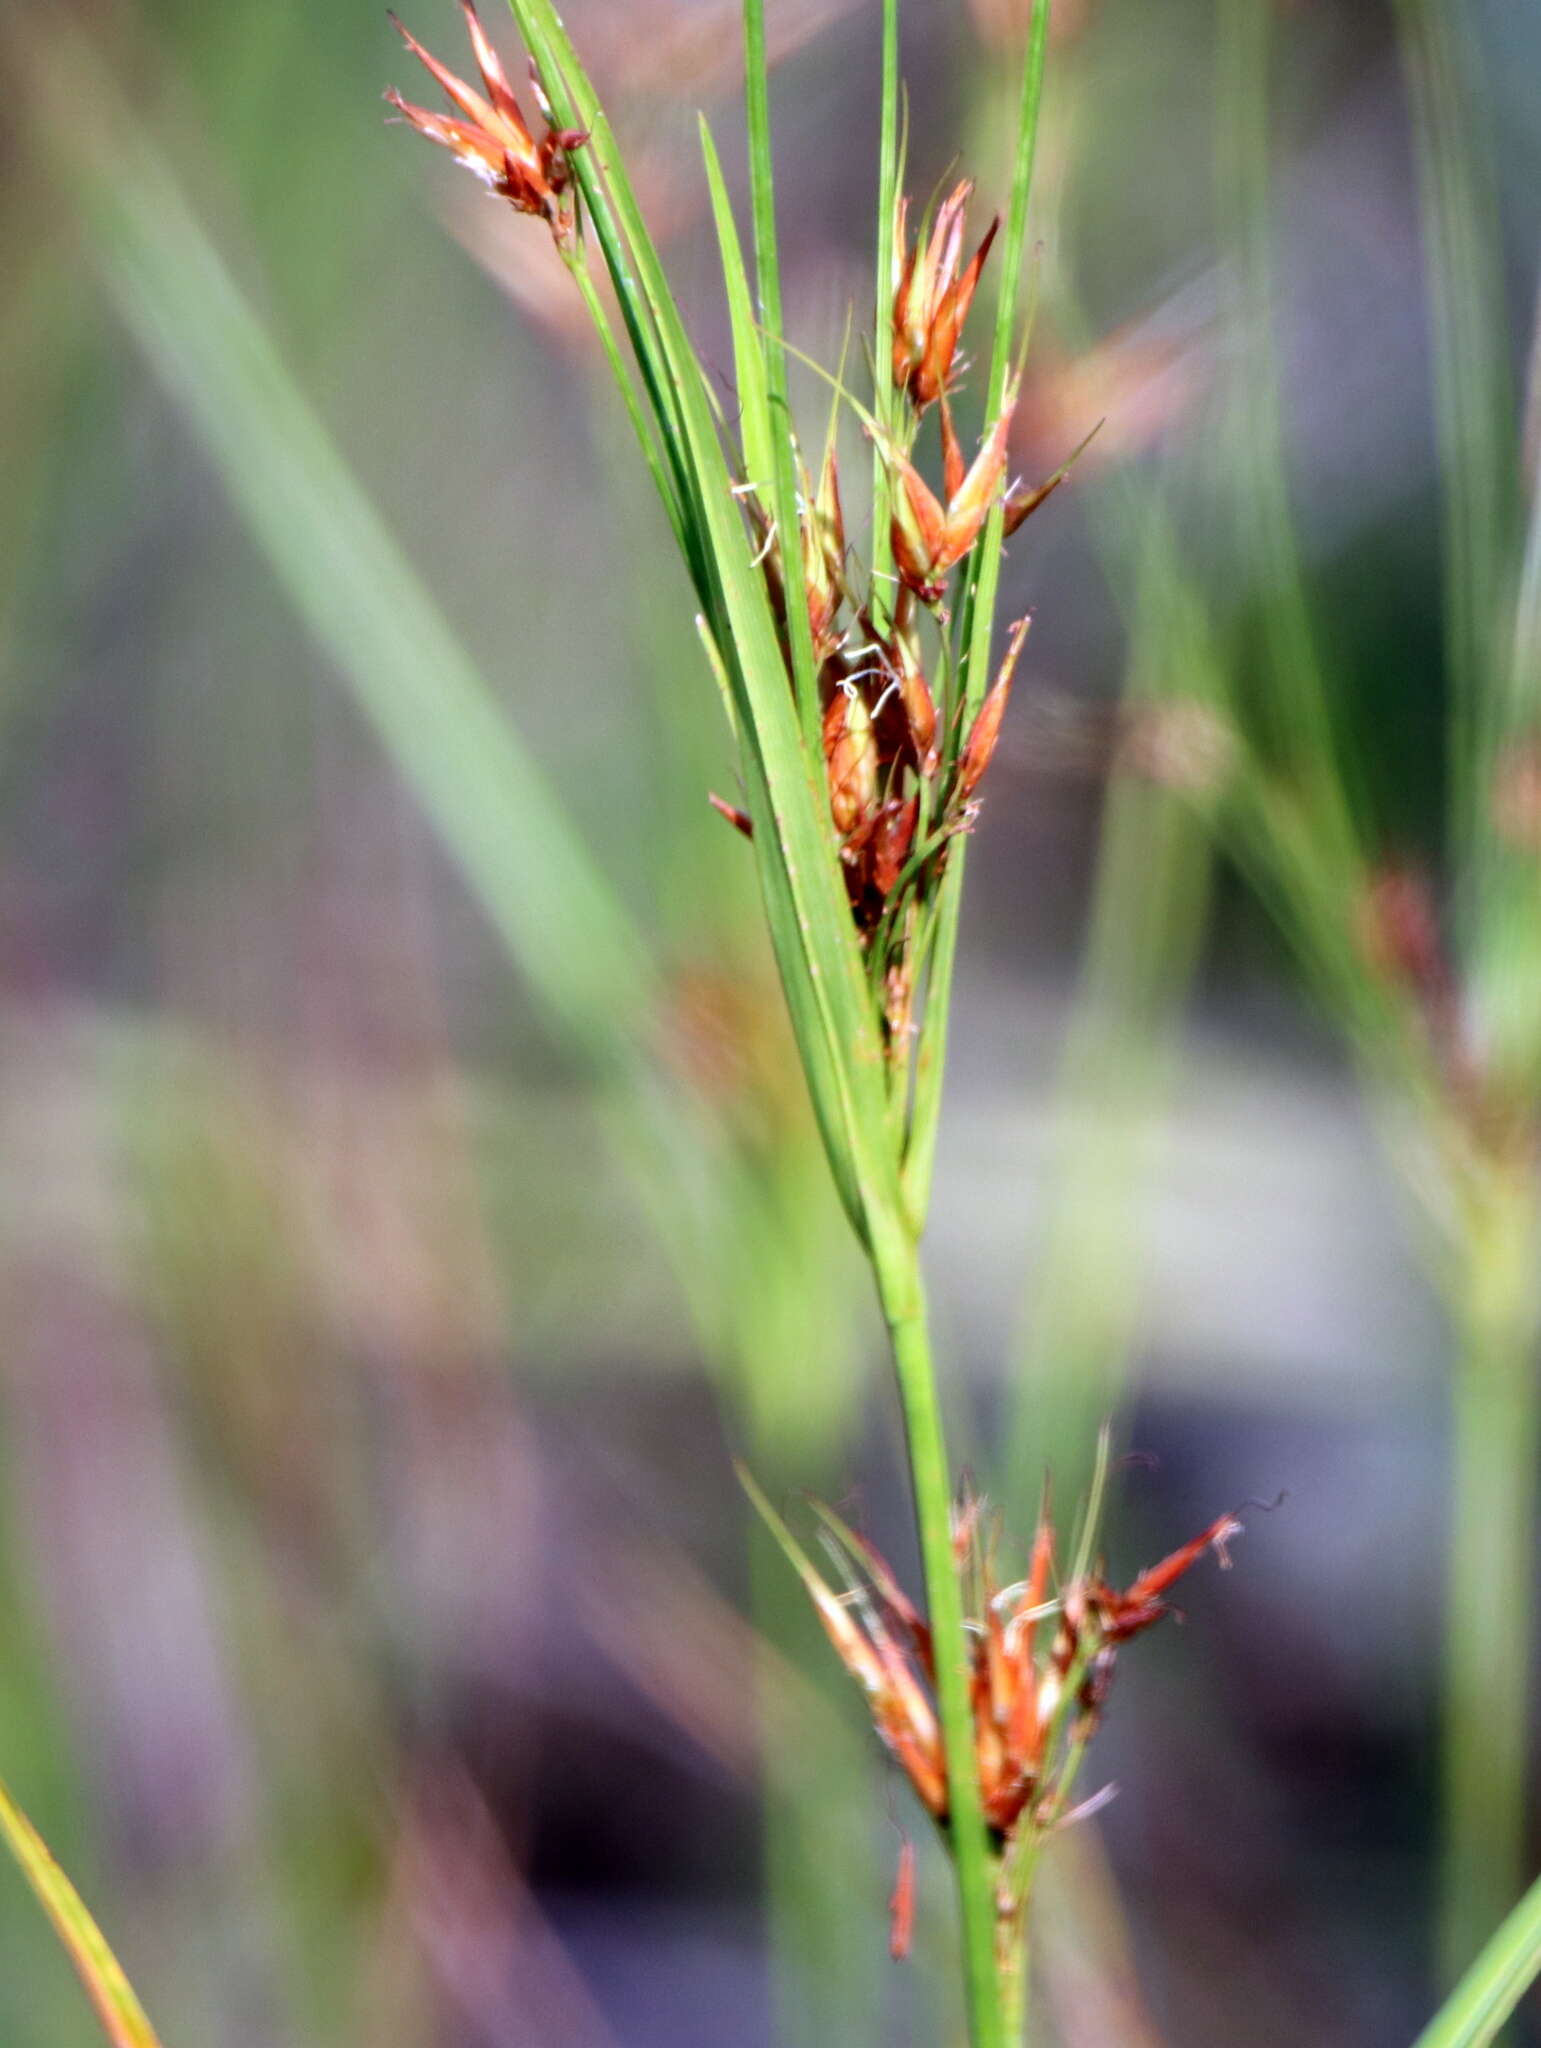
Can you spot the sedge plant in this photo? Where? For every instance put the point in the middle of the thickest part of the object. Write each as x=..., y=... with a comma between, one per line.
x=866, y=706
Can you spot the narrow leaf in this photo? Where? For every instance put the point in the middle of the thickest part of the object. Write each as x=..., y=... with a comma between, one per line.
x=123, y=2018
x=783, y=471
x=748, y=354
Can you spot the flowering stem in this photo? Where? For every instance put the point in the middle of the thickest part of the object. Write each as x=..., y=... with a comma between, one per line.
x=902, y=1294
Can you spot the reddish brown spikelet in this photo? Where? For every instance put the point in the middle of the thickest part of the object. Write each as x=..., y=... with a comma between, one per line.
x=953, y=466
x=892, y=840
x=1399, y=923
x=1125, y=1614
x=969, y=505
x=490, y=136
x=919, y=709
x=824, y=549
x=931, y=298
x=919, y=532
x=986, y=732
x=899, y=1610
x=932, y=378
x=1024, y=1736
x=930, y=538
x=850, y=755
x=1032, y=1703
x=1022, y=500
x=901, y=1903
x=740, y=819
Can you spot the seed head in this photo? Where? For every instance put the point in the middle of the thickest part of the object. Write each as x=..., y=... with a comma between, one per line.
x=931, y=296
x=490, y=136
x=1040, y=1659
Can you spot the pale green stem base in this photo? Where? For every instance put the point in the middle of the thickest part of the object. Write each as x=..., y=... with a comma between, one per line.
x=1015, y=1983
x=1489, y=1572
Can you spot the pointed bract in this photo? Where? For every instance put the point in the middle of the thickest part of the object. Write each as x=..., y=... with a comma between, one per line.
x=987, y=725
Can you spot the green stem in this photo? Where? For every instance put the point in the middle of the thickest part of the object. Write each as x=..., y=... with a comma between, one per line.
x=1015, y=1985
x=902, y=1293
x=1489, y=1569
x=883, y=387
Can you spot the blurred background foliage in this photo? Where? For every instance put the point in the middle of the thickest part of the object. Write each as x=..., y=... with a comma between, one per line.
x=409, y=1201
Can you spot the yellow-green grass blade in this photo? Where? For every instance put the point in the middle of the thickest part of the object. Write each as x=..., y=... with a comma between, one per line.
x=1494, y=1985
x=123, y=2019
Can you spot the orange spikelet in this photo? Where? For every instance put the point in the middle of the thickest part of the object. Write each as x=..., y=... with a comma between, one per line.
x=490, y=136
x=931, y=298
x=930, y=538
x=987, y=726
x=850, y=755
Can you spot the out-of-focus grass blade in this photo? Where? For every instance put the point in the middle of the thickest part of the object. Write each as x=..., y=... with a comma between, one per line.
x=1474, y=400
x=1149, y=914
x=447, y=734
x=451, y=741
x=1298, y=736
x=1494, y=1985
x=123, y=2018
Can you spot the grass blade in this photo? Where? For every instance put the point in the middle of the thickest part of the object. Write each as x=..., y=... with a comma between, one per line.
x=511, y=839
x=345, y=573
x=749, y=357
x=123, y=2019
x=782, y=476
x=1474, y=399
x=1300, y=728
x=1494, y=1985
